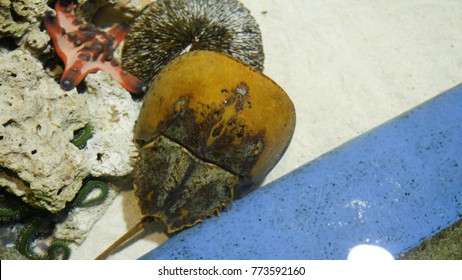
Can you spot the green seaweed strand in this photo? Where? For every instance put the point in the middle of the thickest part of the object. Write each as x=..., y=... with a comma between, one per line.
x=25, y=239
x=10, y=214
x=82, y=135
x=59, y=248
x=55, y=250
x=82, y=200
x=11, y=209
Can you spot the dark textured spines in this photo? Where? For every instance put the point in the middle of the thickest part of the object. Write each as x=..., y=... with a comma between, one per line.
x=168, y=28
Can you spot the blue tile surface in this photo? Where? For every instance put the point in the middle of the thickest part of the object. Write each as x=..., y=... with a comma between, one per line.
x=393, y=186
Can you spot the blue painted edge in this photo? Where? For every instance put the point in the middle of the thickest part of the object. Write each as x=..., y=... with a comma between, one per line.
x=393, y=187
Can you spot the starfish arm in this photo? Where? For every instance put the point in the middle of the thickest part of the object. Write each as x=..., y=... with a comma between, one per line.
x=125, y=79
x=66, y=15
x=118, y=32
x=131, y=83
x=85, y=49
x=73, y=75
x=58, y=37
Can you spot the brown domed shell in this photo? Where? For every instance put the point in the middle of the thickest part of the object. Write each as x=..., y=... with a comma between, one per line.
x=228, y=120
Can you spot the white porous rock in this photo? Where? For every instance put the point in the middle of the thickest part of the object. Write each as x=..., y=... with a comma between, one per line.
x=8, y=26
x=111, y=151
x=20, y=25
x=37, y=122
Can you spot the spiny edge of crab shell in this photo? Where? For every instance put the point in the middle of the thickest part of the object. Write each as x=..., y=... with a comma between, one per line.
x=177, y=188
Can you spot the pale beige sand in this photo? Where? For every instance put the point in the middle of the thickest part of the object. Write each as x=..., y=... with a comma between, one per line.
x=349, y=66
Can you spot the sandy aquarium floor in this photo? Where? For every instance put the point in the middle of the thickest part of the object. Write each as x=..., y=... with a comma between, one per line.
x=348, y=66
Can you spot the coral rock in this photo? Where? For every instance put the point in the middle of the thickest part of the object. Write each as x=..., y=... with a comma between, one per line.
x=19, y=18
x=8, y=26
x=111, y=151
x=37, y=119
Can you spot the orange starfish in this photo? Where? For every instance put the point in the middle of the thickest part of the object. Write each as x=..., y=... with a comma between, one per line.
x=85, y=49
